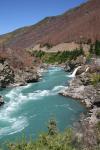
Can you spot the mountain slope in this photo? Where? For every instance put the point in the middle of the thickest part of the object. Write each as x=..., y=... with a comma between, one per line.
x=80, y=23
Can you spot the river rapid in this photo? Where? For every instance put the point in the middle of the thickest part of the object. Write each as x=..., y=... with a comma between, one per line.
x=27, y=109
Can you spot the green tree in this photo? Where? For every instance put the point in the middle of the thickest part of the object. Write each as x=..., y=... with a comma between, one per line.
x=91, y=50
x=52, y=127
x=97, y=47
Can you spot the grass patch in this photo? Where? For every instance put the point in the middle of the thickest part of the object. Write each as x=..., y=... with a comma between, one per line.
x=95, y=78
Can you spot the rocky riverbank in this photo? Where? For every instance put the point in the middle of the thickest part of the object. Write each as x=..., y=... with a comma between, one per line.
x=82, y=88
x=10, y=76
x=85, y=87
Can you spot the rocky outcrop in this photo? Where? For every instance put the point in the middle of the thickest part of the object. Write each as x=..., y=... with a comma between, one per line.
x=10, y=76
x=83, y=92
x=1, y=100
x=81, y=88
x=6, y=74
x=83, y=69
x=26, y=76
x=70, y=65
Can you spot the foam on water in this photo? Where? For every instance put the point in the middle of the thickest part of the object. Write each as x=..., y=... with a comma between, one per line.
x=54, y=69
x=15, y=127
x=63, y=105
x=13, y=124
x=59, y=88
x=16, y=100
x=66, y=106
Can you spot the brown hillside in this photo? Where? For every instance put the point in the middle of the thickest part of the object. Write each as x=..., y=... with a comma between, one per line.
x=80, y=23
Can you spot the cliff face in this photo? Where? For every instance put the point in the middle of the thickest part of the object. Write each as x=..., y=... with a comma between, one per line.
x=10, y=76
x=6, y=74
x=80, y=23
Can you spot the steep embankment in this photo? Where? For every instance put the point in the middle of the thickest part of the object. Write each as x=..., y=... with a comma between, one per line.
x=85, y=86
x=12, y=74
x=78, y=24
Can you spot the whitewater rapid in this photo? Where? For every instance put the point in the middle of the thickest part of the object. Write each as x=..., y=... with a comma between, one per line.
x=17, y=99
x=29, y=107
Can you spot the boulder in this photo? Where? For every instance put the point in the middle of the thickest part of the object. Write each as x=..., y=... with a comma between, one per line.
x=72, y=64
x=32, y=78
x=26, y=76
x=1, y=100
x=12, y=76
x=85, y=79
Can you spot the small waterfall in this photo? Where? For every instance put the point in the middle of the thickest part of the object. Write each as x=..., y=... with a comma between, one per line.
x=87, y=69
x=74, y=72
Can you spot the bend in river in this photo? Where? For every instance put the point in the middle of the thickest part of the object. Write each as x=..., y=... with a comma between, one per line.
x=28, y=108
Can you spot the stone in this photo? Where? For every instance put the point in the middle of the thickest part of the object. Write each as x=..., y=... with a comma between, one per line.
x=12, y=76
x=1, y=100
x=6, y=75
x=81, y=88
x=72, y=64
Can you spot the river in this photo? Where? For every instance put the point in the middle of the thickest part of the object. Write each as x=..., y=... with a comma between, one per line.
x=27, y=109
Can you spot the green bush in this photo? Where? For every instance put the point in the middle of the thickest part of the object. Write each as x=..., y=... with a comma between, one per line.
x=95, y=48
x=46, y=142
x=95, y=78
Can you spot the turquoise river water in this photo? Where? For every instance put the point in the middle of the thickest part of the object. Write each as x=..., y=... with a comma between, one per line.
x=27, y=109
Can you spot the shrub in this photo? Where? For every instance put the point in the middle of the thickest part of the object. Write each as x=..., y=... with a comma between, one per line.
x=98, y=124
x=52, y=127
x=95, y=78
x=95, y=48
x=98, y=116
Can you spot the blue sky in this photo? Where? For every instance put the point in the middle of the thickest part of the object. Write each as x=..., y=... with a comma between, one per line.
x=18, y=13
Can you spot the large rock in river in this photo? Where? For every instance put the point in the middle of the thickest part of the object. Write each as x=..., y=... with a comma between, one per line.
x=1, y=100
